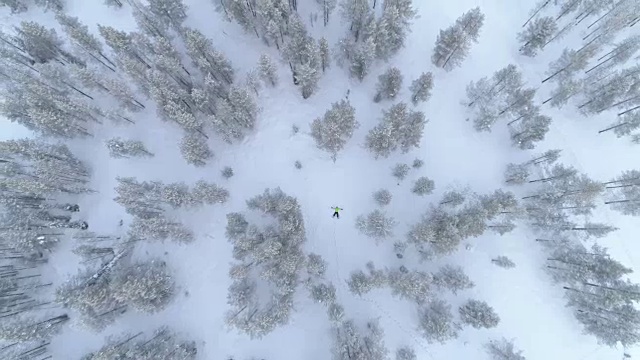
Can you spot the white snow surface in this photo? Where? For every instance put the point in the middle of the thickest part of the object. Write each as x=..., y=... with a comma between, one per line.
x=530, y=306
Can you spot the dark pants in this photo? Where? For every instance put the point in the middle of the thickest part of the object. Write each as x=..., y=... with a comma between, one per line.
x=335, y=214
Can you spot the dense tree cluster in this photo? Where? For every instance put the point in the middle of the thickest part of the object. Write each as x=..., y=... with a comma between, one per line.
x=441, y=229
x=163, y=345
x=271, y=255
x=504, y=97
x=399, y=128
x=102, y=295
x=602, y=299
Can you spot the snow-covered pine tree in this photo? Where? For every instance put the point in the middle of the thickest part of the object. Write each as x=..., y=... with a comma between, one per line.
x=400, y=127
x=114, y=3
x=571, y=62
x=359, y=14
x=172, y=12
x=478, y=314
x=452, y=278
x=206, y=58
x=453, y=43
x=625, y=193
x=42, y=44
x=119, y=148
x=164, y=345
x=376, y=225
x=406, y=353
x=613, y=90
x=400, y=171
x=17, y=330
x=146, y=286
x=421, y=88
x=303, y=55
x=325, y=54
x=392, y=27
x=324, y=294
x=236, y=114
x=382, y=197
x=389, y=84
x=360, y=283
x=55, y=5
x=503, y=262
x=327, y=7
x=528, y=132
x=536, y=35
x=620, y=54
x=159, y=228
x=436, y=322
x=410, y=285
x=16, y=6
x=194, y=149
x=503, y=349
x=80, y=37
x=423, y=186
x=349, y=342
x=332, y=132
x=227, y=172
x=206, y=193
x=268, y=70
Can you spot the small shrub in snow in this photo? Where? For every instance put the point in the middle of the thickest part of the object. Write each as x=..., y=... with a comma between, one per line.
x=503, y=262
x=298, y=164
x=295, y=129
x=400, y=248
x=423, y=186
x=417, y=163
x=376, y=225
x=478, y=314
x=227, y=172
x=382, y=197
x=400, y=171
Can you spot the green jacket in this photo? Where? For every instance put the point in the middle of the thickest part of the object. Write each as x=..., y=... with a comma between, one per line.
x=337, y=209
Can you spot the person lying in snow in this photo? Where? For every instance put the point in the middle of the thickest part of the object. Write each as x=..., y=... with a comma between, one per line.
x=336, y=213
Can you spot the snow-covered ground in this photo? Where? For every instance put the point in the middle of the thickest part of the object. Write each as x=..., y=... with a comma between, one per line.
x=531, y=308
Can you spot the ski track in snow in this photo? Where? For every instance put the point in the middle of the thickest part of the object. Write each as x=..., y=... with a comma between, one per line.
x=531, y=308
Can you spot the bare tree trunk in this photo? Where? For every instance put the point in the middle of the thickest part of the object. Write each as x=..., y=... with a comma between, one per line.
x=612, y=127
